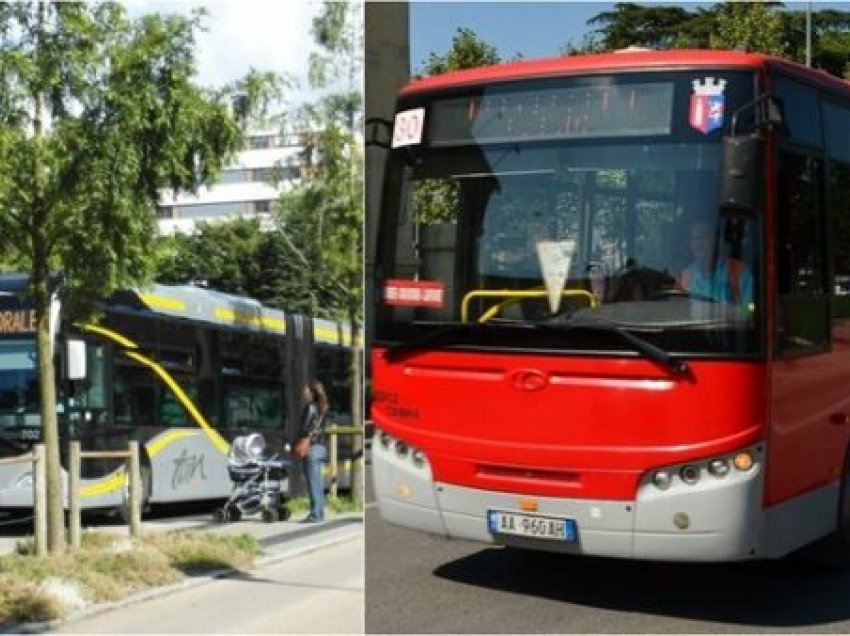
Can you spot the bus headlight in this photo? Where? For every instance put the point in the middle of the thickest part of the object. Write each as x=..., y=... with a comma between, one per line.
x=401, y=448
x=386, y=441
x=418, y=458
x=662, y=480
x=718, y=467
x=689, y=474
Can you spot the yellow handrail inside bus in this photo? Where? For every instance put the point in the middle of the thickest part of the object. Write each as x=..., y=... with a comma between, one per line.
x=513, y=296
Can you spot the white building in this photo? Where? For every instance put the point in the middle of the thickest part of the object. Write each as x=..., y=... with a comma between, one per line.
x=245, y=189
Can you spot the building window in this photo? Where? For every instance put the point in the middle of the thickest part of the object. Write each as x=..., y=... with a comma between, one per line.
x=263, y=174
x=165, y=212
x=262, y=207
x=234, y=176
x=260, y=142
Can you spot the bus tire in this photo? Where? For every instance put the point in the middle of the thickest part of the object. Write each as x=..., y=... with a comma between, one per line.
x=832, y=553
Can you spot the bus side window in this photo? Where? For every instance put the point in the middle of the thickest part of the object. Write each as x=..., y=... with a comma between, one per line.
x=801, y=267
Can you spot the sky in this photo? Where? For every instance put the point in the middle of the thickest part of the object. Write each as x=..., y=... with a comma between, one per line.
x=535, y=29
x=268, y=35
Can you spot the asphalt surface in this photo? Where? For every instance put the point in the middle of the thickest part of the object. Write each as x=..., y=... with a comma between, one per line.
x=420, y=583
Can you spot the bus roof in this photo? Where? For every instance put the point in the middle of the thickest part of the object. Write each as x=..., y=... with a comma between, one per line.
x=627, y=60
x=207, y=305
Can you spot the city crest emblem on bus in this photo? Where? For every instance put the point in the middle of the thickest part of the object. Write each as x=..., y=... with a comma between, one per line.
x=707, y=103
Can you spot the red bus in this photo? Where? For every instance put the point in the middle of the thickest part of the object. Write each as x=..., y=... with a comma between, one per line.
x=611, y=317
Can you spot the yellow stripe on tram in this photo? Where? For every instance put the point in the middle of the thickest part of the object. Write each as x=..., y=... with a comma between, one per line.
x=112, y=335
x=112, y=482
x=239, y=318
x=162, y=302
x=163, y=440
x=217, y=440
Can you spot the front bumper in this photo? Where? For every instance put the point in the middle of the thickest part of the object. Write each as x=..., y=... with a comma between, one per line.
x=716, y=519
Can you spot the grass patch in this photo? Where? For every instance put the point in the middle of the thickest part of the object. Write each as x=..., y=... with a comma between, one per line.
x=339, y=505
x=193, y=551
x=108, y=567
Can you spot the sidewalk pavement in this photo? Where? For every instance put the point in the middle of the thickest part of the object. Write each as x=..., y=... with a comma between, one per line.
x=279, y=541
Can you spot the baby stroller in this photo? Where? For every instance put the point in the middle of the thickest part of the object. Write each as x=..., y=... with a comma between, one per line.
x=258, y=482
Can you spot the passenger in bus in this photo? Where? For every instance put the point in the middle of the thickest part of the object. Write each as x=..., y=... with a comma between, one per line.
x=710, y=276
x=312, y=425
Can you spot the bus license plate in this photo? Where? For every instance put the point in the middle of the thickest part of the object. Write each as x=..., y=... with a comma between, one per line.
x=535, y=526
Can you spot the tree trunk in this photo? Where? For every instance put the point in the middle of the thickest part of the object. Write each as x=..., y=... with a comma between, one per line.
x=357, y=461
x=42, y=292
x=47, y=405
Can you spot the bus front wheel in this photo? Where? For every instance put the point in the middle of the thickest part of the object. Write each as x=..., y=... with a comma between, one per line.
x=833, y=551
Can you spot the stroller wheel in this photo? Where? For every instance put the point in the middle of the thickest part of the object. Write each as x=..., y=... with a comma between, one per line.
x=284, y=513
x=234, y=513
x=270, y=515
x=220, y=516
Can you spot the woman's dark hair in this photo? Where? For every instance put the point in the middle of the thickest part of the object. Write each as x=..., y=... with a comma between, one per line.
x=317, y=391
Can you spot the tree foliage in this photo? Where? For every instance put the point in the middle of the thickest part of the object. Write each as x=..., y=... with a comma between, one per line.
x=467, y=51
x=97, y=113
x=319, y=222
x=766, y=27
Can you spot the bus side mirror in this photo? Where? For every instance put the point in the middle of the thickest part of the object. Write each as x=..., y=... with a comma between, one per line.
x=76, y=350
x=741, y=174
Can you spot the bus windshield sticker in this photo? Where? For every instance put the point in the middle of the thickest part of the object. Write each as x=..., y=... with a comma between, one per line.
x=707, y=103
x=414, y=293
x=555, y=258
x=407, y=130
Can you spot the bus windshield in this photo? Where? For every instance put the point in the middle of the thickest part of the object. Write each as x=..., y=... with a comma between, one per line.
x=517, y=210
x=18, y=384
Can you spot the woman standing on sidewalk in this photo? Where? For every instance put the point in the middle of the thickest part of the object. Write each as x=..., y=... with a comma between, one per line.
x=312, y=426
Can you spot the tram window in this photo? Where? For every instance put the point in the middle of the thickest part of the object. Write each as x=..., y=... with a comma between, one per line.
x=134, y=396
x=333, y=366
x=94, y=397
x=254, y=407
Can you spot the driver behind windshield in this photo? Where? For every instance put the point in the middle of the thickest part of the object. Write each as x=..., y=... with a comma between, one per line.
x=712, y=276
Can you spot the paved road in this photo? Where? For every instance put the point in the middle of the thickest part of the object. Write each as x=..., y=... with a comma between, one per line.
x=420, y=583
x=320, y=591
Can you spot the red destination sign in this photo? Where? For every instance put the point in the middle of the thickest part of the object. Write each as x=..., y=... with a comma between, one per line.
x=414, y=293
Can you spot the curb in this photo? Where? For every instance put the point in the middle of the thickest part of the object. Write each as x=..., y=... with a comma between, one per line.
x=201, y=579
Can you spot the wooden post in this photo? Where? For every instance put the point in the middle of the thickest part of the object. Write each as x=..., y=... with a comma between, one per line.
x=39, y=485
x=74, y=533
x=333, y=459
x=135, y=484
x=357, y=473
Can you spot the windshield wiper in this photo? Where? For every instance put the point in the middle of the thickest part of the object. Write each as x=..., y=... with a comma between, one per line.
x=447, y=331
x=671, y=363
x=442, y=333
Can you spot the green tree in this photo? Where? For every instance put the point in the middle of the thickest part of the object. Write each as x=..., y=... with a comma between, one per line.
x=223, y=256
x=320, y=222
x=755, y=26
x=97, y=113
x=766, y=27
x=635, y=25
x=467, y=51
